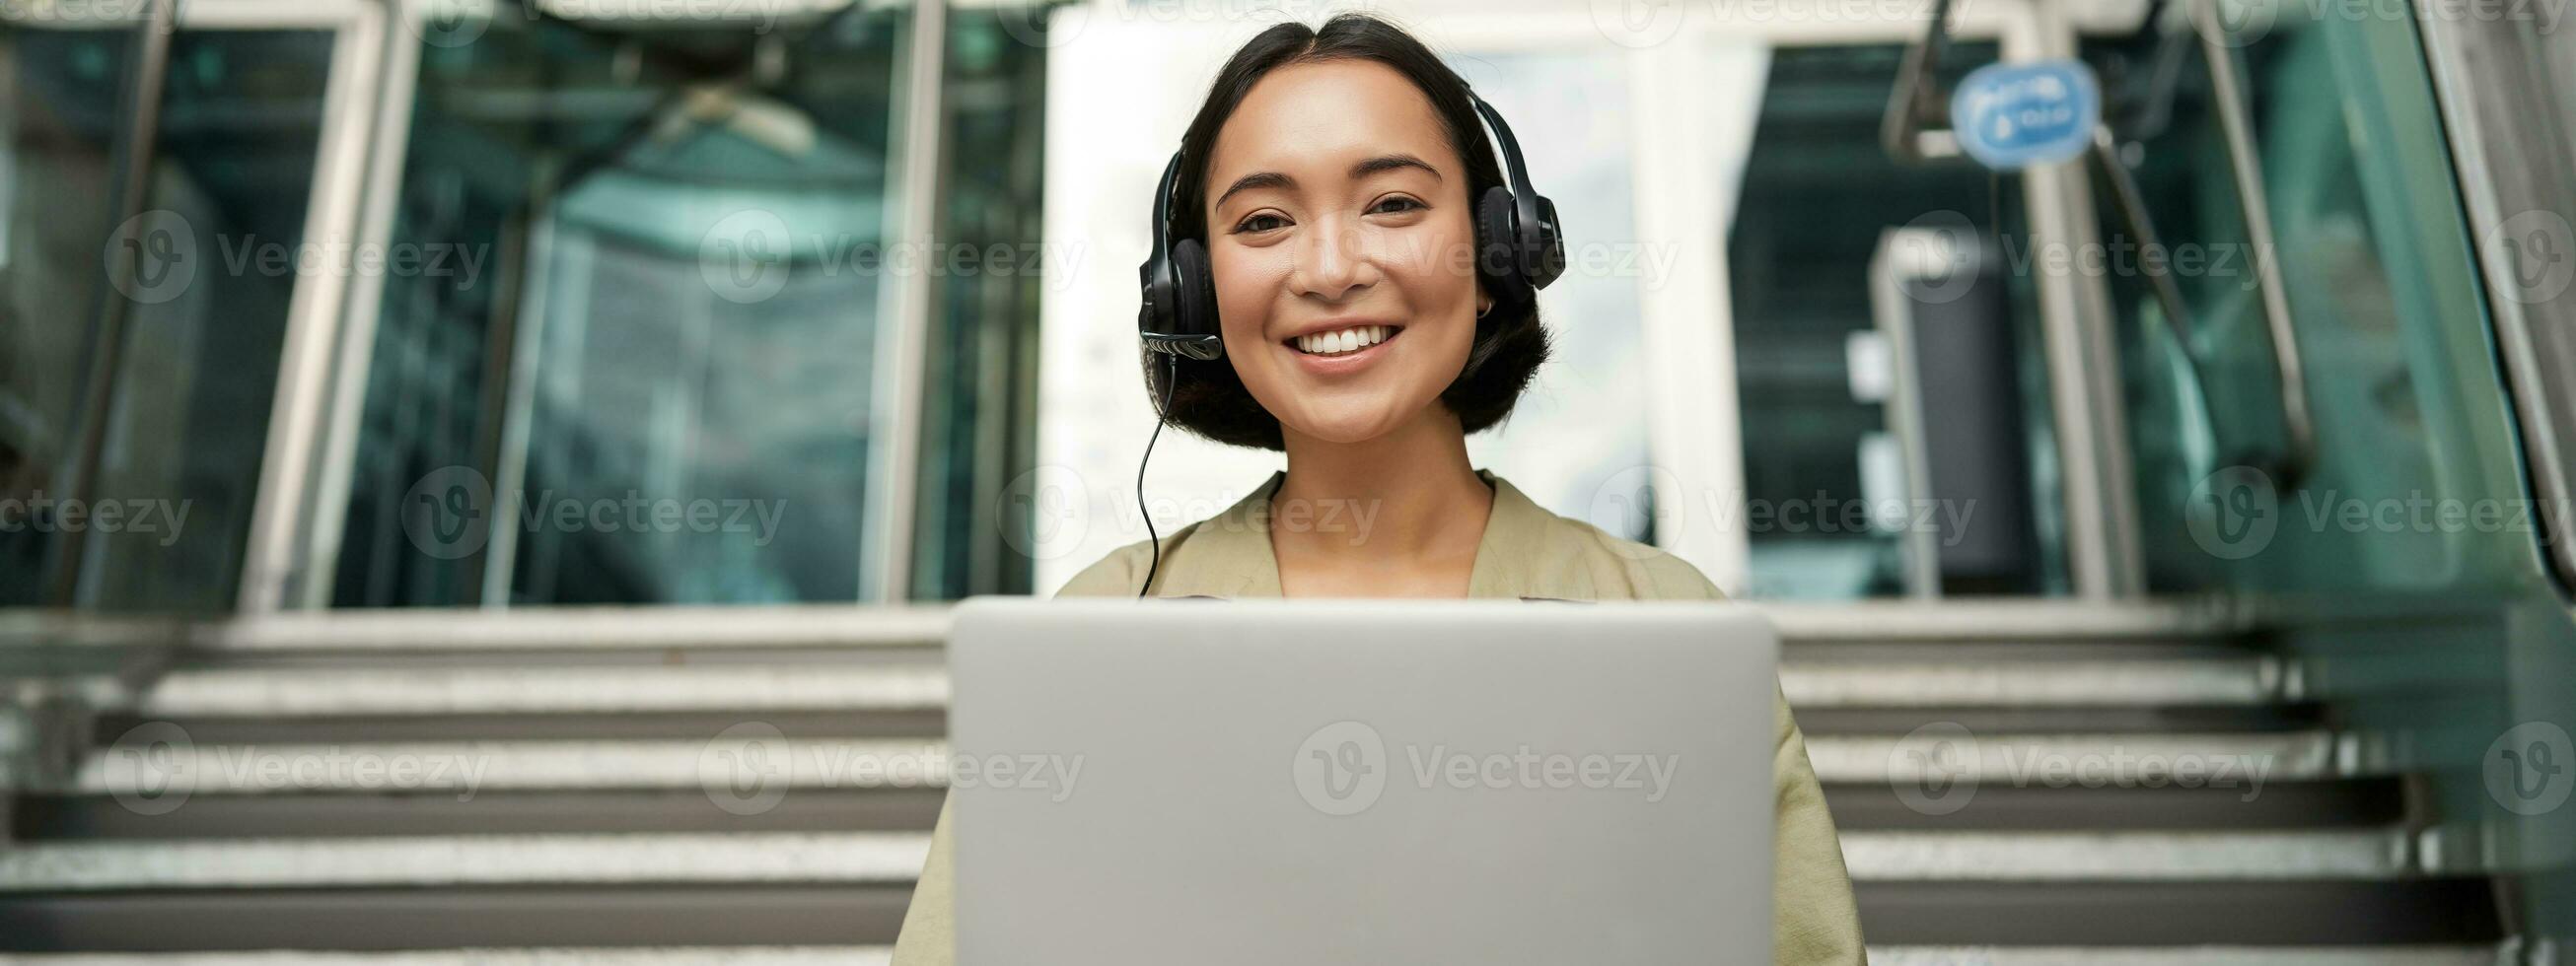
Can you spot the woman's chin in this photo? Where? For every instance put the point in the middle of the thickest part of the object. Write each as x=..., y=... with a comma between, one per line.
x=1346, y=427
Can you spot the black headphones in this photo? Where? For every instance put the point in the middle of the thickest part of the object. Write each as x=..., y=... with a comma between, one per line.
x=1519, y=250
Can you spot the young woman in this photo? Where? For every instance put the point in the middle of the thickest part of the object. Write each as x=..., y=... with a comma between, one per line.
x=1331, y=184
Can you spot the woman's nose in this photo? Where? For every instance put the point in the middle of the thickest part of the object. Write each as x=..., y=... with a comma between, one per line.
x=1336, y=261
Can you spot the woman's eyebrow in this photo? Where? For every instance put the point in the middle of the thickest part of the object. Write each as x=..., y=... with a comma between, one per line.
x=1365, y=168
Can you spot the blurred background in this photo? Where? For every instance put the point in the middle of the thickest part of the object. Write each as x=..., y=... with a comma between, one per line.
x=485, y=478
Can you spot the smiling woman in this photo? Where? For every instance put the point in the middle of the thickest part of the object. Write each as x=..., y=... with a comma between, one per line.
x=1344, y=271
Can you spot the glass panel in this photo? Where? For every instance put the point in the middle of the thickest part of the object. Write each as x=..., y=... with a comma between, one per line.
x=59, y=125
x=979, y=386
x=217, y=256
x=2363, y=241
x=659, y=386
x=1819, y=189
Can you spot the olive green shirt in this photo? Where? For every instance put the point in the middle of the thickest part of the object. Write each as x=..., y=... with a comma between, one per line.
x=1526, y=553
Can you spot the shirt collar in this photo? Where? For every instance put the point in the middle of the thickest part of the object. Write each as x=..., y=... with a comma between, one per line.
x=1229, y=555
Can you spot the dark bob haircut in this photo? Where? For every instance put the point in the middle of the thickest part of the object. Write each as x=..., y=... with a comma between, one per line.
x=1209, y=399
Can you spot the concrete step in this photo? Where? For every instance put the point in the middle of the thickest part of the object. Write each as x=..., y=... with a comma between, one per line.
x=2086, y=682
x=2096, y=719
x=2285, y=915
x=2128, y=856
x=274, y=693
x=437, y=861
x=512, y=917
x=2177, y=916
x=2461, y=955
x=164, y=758
x=270, y=693
x=754, y=754
x=558, y=630
x=2084, y=759
x=2360, y=803
x=2457, y=955
x=53, y=818
x=668, y=956
x=896, y=857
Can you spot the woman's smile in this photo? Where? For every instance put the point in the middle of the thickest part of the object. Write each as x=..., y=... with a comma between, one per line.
x=1342, y=349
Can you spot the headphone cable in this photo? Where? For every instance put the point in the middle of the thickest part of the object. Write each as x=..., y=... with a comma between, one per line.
x=1162, y=414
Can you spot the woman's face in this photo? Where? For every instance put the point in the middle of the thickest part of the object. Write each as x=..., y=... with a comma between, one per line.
x=1336, y=205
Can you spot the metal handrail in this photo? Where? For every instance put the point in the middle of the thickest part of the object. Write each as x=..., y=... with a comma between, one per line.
x=2298, y=425
x=1914, y=100
x=107, y=352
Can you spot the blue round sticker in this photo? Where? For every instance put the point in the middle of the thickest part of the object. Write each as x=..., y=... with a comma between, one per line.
x=2011, y=116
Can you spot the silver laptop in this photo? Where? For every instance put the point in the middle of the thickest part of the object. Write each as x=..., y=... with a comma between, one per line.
x=1303, y=782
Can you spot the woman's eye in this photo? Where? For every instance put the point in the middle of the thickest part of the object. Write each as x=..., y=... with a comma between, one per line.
x=1406, y=204
x=1254, y=223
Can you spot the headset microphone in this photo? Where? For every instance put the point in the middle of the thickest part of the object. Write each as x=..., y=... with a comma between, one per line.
x=1519, y=250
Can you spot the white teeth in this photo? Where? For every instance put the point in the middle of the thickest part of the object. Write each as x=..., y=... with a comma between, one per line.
x=1343, y=340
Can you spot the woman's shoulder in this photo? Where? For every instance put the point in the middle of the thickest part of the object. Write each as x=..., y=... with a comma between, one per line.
x=1115, y=574
x=1215, y=545
x=1622, y=569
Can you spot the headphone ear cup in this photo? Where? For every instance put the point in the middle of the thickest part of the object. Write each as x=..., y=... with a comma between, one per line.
x=1550, y=263
x=1496, y=261
x=1196, y=315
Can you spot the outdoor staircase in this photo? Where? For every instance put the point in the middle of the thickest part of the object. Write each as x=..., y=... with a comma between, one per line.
x=757, y=786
